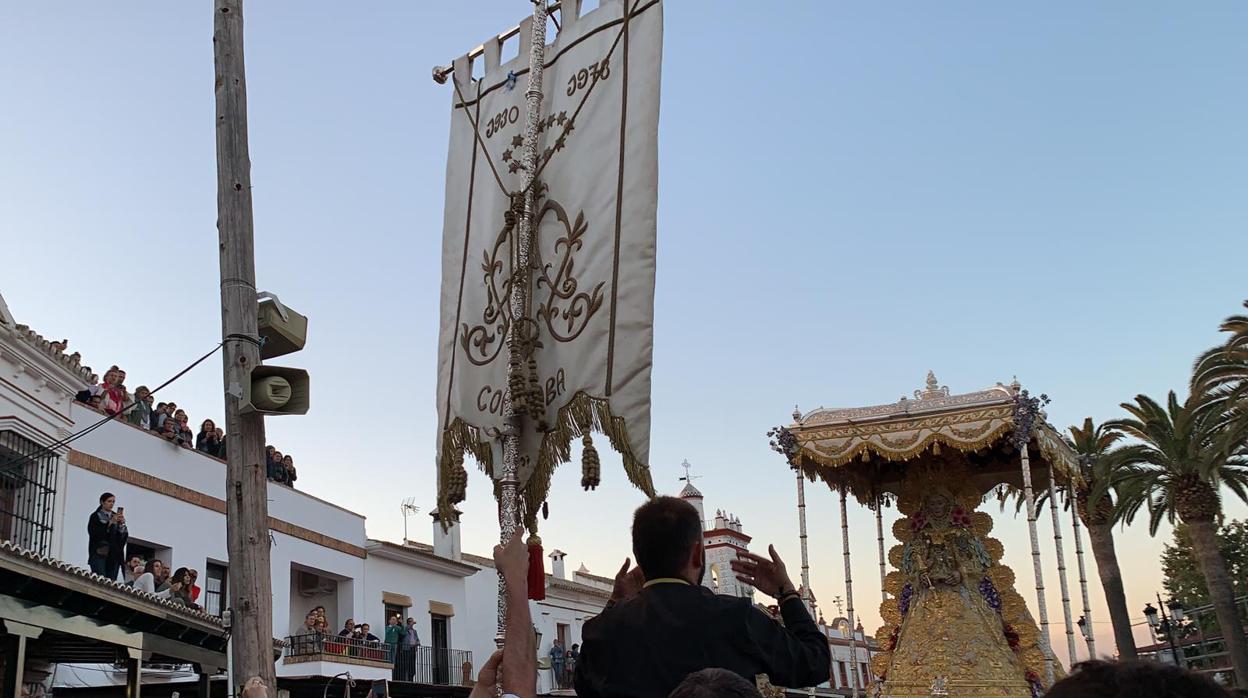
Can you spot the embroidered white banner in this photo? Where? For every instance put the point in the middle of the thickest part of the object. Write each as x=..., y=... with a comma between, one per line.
x=591, y=293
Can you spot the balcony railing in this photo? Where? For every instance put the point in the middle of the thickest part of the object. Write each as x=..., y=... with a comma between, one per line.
x=317, y=647
x=434, y=666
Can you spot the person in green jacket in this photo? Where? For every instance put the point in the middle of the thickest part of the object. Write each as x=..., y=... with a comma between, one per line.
x=395, y=634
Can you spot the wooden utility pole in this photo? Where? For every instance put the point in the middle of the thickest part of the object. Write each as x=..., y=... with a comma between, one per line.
x=247, y=514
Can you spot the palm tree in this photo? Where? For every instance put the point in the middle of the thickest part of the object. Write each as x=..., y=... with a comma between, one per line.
x=1224, y=369
x=1186, y=453
x=1100, y=462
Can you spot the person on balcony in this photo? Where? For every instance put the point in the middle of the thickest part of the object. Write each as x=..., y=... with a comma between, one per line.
x=206, y=439
x=112, y=392
x=407, y=651
x=395, y=634
x=304, y=640
x=288, y=470
x=155, y=581
x=186, y=438
x=106, y=538
x=273, y=464
x=140, y=414
x=156, y=421
x=134, y=570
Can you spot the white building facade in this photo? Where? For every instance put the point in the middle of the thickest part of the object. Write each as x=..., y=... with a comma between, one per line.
x=321, y=556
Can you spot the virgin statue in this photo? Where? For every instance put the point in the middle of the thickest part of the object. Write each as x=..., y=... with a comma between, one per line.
x=956, y=625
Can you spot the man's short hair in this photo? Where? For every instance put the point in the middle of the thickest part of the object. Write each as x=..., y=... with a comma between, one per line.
x=1101, y=679
x=714, y=683
x=665, y=530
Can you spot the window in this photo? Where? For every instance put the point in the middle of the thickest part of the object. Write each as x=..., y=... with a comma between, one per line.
x=866, y=674
x=441, y=640
x=392, y=610
x=215, y=589
x=844, y=676
x=143, y=550
x=561, y=632
x=27, y=493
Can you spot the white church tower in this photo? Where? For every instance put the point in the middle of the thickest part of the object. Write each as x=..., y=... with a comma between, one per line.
x=723, y=538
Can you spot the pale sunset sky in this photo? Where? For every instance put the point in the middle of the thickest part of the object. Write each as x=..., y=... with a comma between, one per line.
x=850, y=194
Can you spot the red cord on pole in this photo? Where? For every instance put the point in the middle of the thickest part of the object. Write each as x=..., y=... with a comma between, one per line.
x=537, y=570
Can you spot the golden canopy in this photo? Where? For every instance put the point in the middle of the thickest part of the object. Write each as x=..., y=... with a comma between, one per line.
x=870, y=450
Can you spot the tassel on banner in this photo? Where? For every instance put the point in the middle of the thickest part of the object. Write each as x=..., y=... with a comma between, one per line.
x=537, y=569
x=536, y=400
x=516, y=384
x=457, y=480
x=935, y=448
x=591, y=467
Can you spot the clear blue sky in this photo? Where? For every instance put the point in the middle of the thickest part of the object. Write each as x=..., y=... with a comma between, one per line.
x=850, y=194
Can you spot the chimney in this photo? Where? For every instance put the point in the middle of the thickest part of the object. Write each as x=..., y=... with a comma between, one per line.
x=556, y=564
x=446, y=543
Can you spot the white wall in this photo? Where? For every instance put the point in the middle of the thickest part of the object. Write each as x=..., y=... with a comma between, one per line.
x=195, y=534
x=141, y=450
x=423, y=586
x=481, y=619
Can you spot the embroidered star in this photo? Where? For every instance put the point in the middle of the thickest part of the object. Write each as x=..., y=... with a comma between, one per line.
x=571, y=125
x=514, y=166
x=517, y=141
x=550, y=121
x=541, y=126
x=560, y=143
x=563, y=116
x=507, y=155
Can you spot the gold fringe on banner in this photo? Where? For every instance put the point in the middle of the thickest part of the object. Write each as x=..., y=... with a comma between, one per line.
x=582, y=415
x=458, y=439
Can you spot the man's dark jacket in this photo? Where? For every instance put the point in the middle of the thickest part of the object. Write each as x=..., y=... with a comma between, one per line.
x=644, y=647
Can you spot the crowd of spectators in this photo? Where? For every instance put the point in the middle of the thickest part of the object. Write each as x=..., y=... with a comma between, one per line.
x=107, y=538
x=280, y=468
x=172, y=423
x=398, y=646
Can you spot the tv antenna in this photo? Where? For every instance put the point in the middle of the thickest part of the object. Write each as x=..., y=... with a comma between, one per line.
x=407, y=508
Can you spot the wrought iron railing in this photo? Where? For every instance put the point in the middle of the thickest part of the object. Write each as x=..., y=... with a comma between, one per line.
x=27, y=492
x=316, y=647
x=434, y=666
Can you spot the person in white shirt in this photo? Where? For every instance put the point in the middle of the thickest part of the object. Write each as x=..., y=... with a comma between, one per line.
x=151, y=580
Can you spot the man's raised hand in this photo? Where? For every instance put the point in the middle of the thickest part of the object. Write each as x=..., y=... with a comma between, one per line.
x=768, y=576
x=628, y=583
x=512, y=560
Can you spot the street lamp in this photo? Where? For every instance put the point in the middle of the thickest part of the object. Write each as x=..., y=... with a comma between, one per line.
x=1165, y=624
x=1176, y=610
x=1150, y=615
